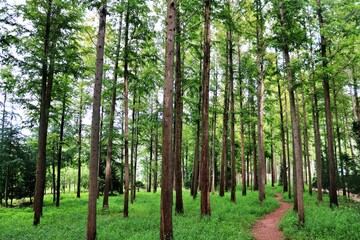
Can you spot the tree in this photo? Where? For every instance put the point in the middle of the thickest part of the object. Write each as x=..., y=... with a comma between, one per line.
x=261, y=97
x=112, y=116
x=179, y=208
x=166, y=231
x=294, y=118
x=95, y=124
x=329, y=125
x=126, y=109
x=204, y=182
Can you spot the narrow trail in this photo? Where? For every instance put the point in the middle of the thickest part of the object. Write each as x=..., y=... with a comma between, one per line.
x=267, y=227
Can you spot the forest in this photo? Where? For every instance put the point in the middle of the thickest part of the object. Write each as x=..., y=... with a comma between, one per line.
x=179, y=119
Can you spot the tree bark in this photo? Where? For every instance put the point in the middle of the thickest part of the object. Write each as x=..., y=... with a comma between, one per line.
x=242, y=129
x=288, y=146
x=46, y=88
x=261, y=99
x=166, y=231
x=62, y=123
x=195, y=176
x=111, y=123
x=283, y=147
x=126, y=110
x=232, y=118
x=223, y=163
x=132, y=154
x=294, y=122
x=179, y=207
x=306, y=144
x=156, y=157
x=213, y=160
x=205, y=196
x=94, y=155
x=79, y=146
x=329, y=125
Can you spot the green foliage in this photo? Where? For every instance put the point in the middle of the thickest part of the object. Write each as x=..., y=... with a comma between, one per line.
x=322, y=222
x=228, y=220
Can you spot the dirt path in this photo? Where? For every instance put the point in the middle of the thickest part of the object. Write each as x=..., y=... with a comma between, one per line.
x=267, y=227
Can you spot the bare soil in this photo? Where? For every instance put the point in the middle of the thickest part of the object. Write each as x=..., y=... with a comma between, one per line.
x=267, y=227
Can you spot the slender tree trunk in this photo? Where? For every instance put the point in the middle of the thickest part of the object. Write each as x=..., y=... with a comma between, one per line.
x=126, y=110
x=329, y=127
x=254, y=151
x=223, y=164
x=287, y=146
x=46, y=87
x=294, y=122
x=195, y=176
x=213, y=159
x=205, y=181
x=272, y=161
x=133, y=140
x=166, y=231
x=111, y=123
x=151, y=151
x=179, y=207
x=94, y=155
x=100, y=147
x=62, y=123
x=338, y=137
x=283, y=147
x=244, y=174
x=136, y=150
x=261, y=99
x=232, y=118
x=156, y=157
x=53, y=180
x=79, y=146
x=306, y=144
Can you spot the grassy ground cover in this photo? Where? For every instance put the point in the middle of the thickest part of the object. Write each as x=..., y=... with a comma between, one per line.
x=228, y=221
x=322, y=222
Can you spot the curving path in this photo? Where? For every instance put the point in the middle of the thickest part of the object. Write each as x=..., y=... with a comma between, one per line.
x=267, y=227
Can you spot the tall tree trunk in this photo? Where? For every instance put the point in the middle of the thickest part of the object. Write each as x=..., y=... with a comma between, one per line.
x=179, y=207
x=46, y=87
x=94, y=155
x=261, y=98
x=132, y=154
x=287, y=145
x=329, y=127
x=166, y=231
x=254, y=151
x=156, y=156
x=100, y=147
x=306, y=144
x=213, y=159
x=232, y=119
x=136, y=150
x=242, y=129
x=111, y=123
x=150, y=161
x=126, y=109
x=338, y=137
x=272, y=161
x=62, y=123
x=294, y=122
x=205, y=196
x=223, y=163
x=195, y=175
x=283, y=147
x=79, y=146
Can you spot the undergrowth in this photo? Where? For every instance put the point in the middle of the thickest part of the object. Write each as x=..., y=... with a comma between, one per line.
x=323, y=222
x=227, y=221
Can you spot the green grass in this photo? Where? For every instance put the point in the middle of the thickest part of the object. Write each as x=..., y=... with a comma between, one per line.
x=322, y=222
x=228, y=220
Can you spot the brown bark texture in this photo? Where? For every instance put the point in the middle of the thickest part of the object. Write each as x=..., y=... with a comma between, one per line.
x=166, y=231
x=95, y=127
